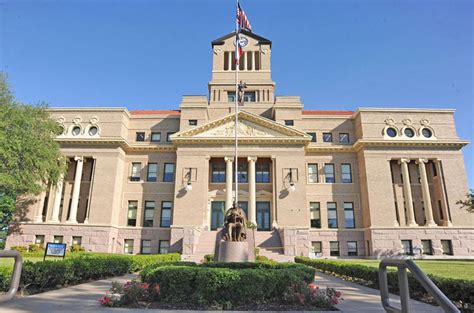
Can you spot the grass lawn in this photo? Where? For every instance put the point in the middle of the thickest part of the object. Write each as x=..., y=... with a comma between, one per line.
x=443, y=268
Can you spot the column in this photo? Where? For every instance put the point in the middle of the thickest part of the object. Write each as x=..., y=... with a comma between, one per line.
x=252, y=191
x=407, y=192
x=39, y=209
x=57, y=200
x=253, y=60
x=76, y=189
x=228, y=182
x=444, y=201
x=425, y=189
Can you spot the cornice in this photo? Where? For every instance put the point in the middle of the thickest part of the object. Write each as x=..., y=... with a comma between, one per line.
x=245, y=141
x=457, y=144
x=119, y=142
x=91, y=109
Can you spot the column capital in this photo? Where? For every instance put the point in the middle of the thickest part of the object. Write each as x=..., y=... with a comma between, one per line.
x=421, y=160
x=403, y=160
x=252, y=159
x=229, y=159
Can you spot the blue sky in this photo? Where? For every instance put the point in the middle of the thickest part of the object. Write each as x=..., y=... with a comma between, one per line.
x=334, y=54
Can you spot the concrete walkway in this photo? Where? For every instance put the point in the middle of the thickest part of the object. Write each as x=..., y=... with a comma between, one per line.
x=358, y=298
x=83, y=298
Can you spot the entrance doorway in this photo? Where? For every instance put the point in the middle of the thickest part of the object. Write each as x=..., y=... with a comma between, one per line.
x=263, y=215
x=217, y=214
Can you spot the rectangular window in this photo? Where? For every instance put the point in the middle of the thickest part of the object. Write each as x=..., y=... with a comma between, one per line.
x=407, y=247
x=262, y=172
x=128, y=246
x=249, y=96
x=165, y=214
x=327, y=137
x=242, y=173
x=349, y=220
x=447, y=247
x=435, y=171
x=334, y=248
x=77, y=241
x=139, y=136
x=289, y=122
x=152, y=172
x=329, y=173
x=193, y=122
x=346, y=173
x=136, y=169
x=313, y=137
x=315, y=212
x=218, y=172
x=155, y=137
x=426, y=246
x=344, y=138
x=168, y=136
x=217, y=214
x=164, y=246
x=149, y=214
x=39, y=240
x=132, y=213
x=58, y=239
x=168, y=175
x=352, y=248
x=332, y=214
x=145, y=247
x=313, y=173
x=316, y=248
x=440, y=210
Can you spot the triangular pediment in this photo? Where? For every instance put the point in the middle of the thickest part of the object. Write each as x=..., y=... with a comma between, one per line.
x=251, y=129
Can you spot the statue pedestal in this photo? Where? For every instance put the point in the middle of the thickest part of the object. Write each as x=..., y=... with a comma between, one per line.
x=233, y=251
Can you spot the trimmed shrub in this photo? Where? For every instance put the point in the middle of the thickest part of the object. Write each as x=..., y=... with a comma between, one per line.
x=20, y=249
x=460, y=291
x=34, y=248
x=77, y=248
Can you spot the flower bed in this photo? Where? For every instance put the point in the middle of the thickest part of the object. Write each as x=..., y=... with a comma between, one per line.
x=231, y=286
x=461, y=292
x=45, y=275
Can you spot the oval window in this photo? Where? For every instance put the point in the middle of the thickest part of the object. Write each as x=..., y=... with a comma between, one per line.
x=76, y=131
x=409, y=132
x=391, y=132
x=93, y=130
x=427, y=132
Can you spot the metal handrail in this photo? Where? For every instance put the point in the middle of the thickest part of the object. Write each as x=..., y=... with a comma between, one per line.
x=15, y=281
x=421, y=277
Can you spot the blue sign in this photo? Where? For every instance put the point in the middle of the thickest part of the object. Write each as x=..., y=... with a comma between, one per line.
x=55, y=249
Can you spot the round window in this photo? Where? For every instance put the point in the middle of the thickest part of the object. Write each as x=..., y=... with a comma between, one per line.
x=427, y=132
x=391, y=132
x=409, y=132
x=76, y=130
x=93, y=130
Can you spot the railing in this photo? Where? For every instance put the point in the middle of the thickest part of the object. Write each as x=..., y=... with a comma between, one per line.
x=421, y=277
x=15, y=275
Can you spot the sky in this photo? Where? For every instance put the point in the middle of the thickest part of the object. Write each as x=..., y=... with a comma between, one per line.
x=334, y=54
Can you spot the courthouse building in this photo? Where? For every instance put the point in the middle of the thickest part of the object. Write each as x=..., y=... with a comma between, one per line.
x=320, y=183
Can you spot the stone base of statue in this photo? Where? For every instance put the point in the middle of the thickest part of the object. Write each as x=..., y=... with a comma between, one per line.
x=233, y=251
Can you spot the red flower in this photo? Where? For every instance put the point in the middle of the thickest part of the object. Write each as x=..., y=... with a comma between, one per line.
x=312, y=286
x=338, y=294
x=104, y=300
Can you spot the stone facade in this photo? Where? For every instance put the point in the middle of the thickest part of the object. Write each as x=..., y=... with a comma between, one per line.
x=369, y=183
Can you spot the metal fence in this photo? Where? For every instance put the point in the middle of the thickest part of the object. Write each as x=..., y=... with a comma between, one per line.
x=15, y=281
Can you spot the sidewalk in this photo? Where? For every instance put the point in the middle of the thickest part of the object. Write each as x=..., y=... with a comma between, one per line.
x=358, y=298
x=83, y=298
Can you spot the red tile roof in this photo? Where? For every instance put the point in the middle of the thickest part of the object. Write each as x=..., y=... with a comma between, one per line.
x=167, y=112
x=326, y=112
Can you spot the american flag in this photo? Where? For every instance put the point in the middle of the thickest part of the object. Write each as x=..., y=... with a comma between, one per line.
x=242, y=19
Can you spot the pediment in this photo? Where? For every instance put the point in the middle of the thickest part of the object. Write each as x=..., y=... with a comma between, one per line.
x=251, y=129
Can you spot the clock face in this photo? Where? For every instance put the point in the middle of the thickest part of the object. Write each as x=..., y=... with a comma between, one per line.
x=243, y=42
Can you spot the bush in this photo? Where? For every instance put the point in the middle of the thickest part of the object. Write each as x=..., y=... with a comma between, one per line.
x=76, y=248
x=460, y=291
x=20, y=249
x=34, y=248
x=209, y=284
x=208, y=258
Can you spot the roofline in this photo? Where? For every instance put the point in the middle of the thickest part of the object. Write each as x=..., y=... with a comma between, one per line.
x=262, y=40
x=106, y=109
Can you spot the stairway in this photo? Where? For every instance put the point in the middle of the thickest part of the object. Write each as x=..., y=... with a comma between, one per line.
x=206, y=245
x=269, y=244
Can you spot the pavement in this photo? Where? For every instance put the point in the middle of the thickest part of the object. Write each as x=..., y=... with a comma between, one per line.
x=83, y=298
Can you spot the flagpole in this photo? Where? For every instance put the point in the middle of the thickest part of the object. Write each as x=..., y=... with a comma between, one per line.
x=236, y=151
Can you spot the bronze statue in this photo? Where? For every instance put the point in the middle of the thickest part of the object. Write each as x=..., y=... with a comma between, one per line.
x=235, y=224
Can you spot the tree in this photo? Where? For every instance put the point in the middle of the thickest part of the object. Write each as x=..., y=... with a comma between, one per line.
x=468, y=203
x=29, y=157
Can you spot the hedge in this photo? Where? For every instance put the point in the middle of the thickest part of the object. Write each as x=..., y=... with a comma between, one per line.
x=226, y=284
x=49, y=274
x=460, y=291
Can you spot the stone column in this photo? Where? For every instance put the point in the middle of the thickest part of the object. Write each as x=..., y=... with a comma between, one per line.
x=76, y=189
x=444, y=201
x=425, y=189
x=252, y=191
x=39, y=209
x=407, y=192
x=228, y=182
x=57, y=200
x=253, y=60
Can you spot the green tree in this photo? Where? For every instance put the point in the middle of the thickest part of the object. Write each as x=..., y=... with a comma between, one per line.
x=29, y=156
x=467, y=203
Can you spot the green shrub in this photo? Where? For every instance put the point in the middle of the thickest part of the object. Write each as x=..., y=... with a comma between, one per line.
x=209, y=284
x=34, y=248
x=20, y=249
x=208, y=258
x=141, y=261
x=460, y=291
x=76, y=248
